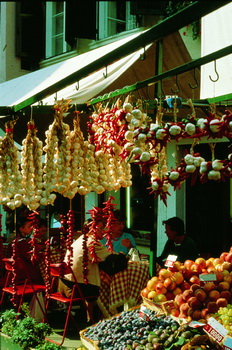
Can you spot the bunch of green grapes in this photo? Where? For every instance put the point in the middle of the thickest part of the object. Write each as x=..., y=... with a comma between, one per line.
x=224, y=316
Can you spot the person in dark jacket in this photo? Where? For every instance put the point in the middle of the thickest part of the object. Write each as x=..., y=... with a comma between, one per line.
x=23, y=251
x=178, y=243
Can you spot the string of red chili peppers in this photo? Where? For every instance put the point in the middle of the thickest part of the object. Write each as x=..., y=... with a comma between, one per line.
x=1, y=239
x=34, y=217
x=13, y=299
x=69, y=239
x=97, y=216
x=110, y=219
x=85, y=270
x=47, y=266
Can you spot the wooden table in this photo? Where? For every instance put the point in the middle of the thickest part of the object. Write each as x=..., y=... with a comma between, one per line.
x=123, y=289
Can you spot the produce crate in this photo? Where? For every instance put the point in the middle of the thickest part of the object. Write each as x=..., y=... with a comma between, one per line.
x=160, y=308
x=93, y=344
x=89, y=344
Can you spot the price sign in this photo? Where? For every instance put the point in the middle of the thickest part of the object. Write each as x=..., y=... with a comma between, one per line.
x=170, y=260
x=144, y=313
x=215, y=330
x=210, y=277
x=227, y=343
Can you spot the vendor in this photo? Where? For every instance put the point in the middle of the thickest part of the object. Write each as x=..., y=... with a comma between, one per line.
x=92, y=288
x=122, y=241
x=178, y=243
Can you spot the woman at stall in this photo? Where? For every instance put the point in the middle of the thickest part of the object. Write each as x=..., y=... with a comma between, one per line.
x=22, y=250
x=122, y=241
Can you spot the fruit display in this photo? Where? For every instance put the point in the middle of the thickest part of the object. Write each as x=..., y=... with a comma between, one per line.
x=194, y=298
x=224, y=316
x=129, y=331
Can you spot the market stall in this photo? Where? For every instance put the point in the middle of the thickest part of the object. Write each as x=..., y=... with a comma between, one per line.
x=121, y=132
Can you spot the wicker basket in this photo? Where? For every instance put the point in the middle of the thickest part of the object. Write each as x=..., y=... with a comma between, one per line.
x=160, y=308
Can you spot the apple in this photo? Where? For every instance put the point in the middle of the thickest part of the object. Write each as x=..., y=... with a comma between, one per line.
x=194, y=303
x=227, y=295
x=196, y=315
x=226, y=266
x=196, y=269
x=164, y=273
x=174, y=312
x=227, y=278
x=223, y=286
x=188, y=263
x=177, y=277
x=204, y=312
x=222, y=302
x=214, y=295
x=188, y=293
x=151, y=295
x=223, y=256
x=217, y=261
x=145, y=292
x=201, y=262
x=160, y=289
x=160, y=298
x=195, y=280
x=212, y=307
x=184, y=308
x=184, y=285
x=169, y=295
x=200, y=294
x=151, y=285
x=177, y=291
x=179, y=299
x=208, y=286
x=228, y=258
x=169, y=284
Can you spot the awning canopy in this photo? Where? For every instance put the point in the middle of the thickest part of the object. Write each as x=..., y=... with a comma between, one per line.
x=34, y=87
x=15, y=91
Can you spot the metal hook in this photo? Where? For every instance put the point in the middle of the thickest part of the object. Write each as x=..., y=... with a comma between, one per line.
x=77, y=85
x=143, y=55
x=178, y=88
x=197, y=84
x=161, y=88
x=31, y=114
x=215, y=69
x=105, y=75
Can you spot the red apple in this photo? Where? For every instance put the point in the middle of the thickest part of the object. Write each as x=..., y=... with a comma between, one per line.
x=228, y=258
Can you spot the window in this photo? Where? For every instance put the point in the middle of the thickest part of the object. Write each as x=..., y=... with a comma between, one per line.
x=114, y=18
x=55, y=29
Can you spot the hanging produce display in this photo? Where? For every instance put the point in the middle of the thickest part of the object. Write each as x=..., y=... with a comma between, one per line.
x=117, y=137
x=31, y=168
x=57, y=171
x=10, y=176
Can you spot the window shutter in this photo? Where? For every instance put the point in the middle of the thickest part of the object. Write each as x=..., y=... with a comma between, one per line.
x=29, y=30
x=80, y=20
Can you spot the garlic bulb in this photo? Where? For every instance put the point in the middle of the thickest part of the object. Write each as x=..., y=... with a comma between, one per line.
x=214, y=125
x=214, y=175
x=160, y=134
x=174, y=175
x=11, y=180
x=32, y=168
x=57, y=154
x=217, y=164
x=189, y=159
x=190, y=168
x=190, y=128
x=175, y=130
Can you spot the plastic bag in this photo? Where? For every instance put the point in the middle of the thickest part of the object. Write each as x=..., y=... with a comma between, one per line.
x=35, y=308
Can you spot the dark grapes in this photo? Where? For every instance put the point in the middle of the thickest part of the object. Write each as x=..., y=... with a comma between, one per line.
x=130, y=331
